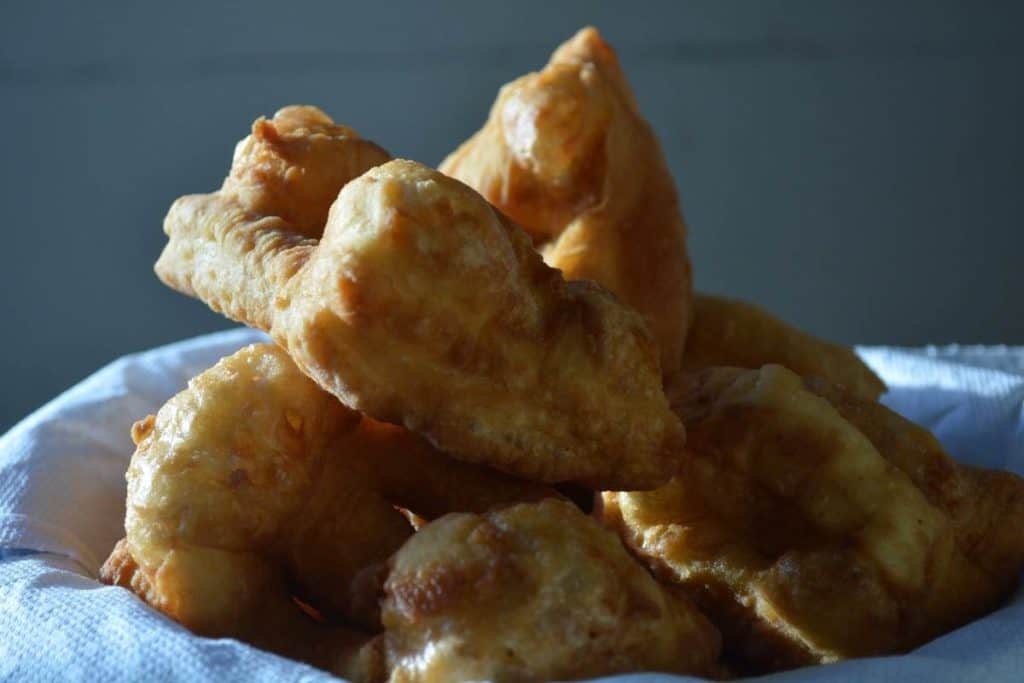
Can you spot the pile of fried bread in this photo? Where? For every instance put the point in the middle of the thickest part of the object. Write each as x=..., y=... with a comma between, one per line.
x=499, y=437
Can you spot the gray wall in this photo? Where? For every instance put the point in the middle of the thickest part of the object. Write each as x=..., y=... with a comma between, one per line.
x=854, y=166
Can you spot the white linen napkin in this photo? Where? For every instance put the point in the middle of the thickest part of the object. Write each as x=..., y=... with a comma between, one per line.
x=62, y=494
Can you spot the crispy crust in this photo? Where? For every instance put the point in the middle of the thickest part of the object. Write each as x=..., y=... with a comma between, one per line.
x=533, y=592
x=423, y=306
x=810, y=533
x=567, y=154
x=253, y=495
x=729, y=332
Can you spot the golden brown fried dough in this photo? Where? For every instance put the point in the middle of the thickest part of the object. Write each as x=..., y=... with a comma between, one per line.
x=280, y=626
x=534, y=592
x=729, y=332
x=293, y=166
x=808, y=537
x=414, y=475
x=284, y=177
x=275, y=624
x=254, y=487
x=986, y=507
x=567, y=155
x=238, y=499
x=423, y=306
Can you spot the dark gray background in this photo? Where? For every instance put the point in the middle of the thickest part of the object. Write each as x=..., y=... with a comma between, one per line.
x=854, y=166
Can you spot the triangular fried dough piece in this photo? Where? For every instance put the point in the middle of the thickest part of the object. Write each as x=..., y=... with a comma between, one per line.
x=813, y=526
x=566, y=154
x=423, y=306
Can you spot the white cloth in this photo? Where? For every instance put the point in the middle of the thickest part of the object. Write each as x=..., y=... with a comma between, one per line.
x=62, y=496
